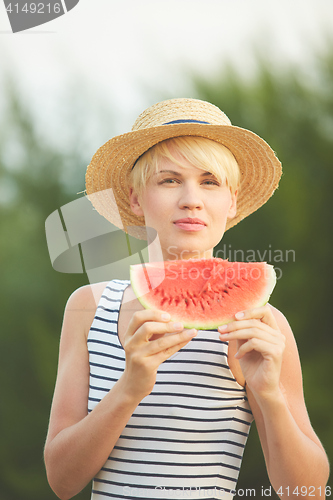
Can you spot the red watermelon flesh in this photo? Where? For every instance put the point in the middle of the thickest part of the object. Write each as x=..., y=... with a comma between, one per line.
x=202, y=293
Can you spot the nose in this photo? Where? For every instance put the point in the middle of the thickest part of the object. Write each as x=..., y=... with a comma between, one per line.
x=190, y=197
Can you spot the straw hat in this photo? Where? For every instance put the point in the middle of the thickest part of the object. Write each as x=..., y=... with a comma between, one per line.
x=107, y=175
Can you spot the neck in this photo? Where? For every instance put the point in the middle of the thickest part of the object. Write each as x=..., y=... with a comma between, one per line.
x=158, y=254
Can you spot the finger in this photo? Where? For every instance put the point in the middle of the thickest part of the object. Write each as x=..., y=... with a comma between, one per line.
x=243, y=330
x=243, y=324
x=151, y=328
x=246, y=324
x=167, y=353
x=166, y=346
x=263, y=313
x=265, y=348
x=140, y=317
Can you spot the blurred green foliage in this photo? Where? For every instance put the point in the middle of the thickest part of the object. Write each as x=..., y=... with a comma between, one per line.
x=293, y=111
x=32, y=297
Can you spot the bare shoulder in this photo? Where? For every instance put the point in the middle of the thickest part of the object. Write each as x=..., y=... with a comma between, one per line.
x=86, y=297
x=281, y=320
x=81, y=305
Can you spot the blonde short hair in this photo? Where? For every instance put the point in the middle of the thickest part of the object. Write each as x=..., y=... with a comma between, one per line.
x=201, y=152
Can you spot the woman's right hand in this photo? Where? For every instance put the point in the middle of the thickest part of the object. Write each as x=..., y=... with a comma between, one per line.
x=150, y=339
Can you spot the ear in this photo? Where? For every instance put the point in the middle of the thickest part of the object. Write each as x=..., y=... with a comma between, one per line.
x=135, y=202
x=233, y=206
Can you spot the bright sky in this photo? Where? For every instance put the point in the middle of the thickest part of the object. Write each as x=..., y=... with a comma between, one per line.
x=117, y=48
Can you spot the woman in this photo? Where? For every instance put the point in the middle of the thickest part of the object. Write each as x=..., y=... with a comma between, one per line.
x=169, y=408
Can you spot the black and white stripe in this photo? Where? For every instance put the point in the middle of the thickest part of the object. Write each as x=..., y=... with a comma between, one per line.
x=186, y=439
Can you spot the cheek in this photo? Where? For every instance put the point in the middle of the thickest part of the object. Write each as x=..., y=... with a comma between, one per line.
x=221, y=207
x=154, y=205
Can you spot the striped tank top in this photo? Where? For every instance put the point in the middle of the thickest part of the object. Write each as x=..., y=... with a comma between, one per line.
x=186, y=438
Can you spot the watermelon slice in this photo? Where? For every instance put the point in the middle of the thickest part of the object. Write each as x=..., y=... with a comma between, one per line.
x=202, y=293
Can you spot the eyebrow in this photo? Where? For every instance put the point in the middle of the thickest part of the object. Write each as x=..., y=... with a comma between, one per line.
x=173, y=172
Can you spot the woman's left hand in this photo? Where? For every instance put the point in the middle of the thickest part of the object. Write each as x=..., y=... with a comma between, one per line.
x=260, y=346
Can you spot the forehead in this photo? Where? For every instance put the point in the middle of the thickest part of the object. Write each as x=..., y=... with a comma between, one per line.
x=181, y=166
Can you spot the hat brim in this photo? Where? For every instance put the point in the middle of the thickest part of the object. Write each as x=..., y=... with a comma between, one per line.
x=107, y=174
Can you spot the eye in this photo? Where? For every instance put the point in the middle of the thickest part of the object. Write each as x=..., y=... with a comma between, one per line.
x=168, y=181
x=211, y=182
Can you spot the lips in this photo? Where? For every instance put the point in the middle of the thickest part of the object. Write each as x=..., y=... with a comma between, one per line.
x=190, y=224
x=189, y=220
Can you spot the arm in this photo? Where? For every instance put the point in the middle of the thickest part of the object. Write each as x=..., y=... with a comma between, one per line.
x=78, y=444
x=270, y=363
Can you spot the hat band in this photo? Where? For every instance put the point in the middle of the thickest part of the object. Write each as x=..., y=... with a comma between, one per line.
x=177, y=121
x=186, y=121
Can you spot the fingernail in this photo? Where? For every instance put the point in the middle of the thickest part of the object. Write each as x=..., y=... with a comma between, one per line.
x=165, y=316
x=191, y=333
x=239, y=315
x=177, y=326
x=236, y=355
x=223, y=327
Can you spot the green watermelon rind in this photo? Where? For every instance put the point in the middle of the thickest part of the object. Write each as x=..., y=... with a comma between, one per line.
x=200, y=325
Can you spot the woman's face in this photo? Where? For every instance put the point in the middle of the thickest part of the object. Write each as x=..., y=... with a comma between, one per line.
x=188, y=208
